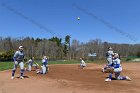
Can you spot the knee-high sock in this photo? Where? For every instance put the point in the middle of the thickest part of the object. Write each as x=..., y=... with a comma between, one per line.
x=13, y=72
x=21, y=72
x=110, y=76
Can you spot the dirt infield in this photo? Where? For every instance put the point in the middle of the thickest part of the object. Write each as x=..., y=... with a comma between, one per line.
x=71, y=79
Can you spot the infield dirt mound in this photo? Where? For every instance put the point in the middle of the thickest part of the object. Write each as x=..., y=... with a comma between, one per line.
x=71, y=79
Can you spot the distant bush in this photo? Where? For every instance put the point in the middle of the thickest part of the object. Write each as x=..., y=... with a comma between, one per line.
x=128, y=59
x=6, y=56
x=138, y=54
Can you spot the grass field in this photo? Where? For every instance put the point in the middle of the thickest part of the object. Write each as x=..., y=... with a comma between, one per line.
x=6, y=65
x=9, y=65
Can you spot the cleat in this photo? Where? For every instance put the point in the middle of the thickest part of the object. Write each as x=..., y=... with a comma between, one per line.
x=12, y=77
x=128, y=78
x=103, y=70
x=108, y=79
x=37, y=72
x=21, y=77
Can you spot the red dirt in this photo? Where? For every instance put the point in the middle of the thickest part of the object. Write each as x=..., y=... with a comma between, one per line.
x=71, y=79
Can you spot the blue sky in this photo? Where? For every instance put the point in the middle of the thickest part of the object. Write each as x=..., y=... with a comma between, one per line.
x=60, y=17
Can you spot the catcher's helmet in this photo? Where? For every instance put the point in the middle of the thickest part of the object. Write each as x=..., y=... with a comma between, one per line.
x=116, y=55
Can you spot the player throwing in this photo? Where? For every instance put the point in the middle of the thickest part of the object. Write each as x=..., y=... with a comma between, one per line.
x=31, y=64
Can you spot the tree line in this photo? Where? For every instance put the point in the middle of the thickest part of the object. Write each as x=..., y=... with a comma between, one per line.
x=58, y=49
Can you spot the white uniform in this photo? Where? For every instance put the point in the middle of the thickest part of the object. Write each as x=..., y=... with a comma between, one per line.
x=44, y=67
x=109, y=56
x=117, y=70
x=30, y=63
x=82, y=64
x=18, y=60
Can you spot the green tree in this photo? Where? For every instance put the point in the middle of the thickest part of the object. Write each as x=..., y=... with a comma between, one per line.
x=67, y=47
x=6, y=56
x=58, y=41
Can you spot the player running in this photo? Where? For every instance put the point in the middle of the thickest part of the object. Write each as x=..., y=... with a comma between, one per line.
x=18, y=60
x=116, y=68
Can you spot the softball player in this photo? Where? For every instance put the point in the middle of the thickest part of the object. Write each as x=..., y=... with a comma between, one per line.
x=31, y=63
x=109, y=56
x=82, y=64
x=18, y=60
x=116, y=65
x=44, y=67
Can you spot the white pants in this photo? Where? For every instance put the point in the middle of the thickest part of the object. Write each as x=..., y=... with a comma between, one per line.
x=117, y=72
x=109, y=60
x=21, y=64
x=82, y=65
x=43, y=69
x=29, y=67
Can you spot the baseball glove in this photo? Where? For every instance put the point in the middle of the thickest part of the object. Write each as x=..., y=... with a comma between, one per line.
x=109, y=70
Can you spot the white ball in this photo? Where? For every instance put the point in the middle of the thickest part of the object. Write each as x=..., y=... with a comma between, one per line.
x=78, y=18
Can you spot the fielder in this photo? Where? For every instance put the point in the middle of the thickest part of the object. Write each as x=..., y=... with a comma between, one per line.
x=31, y=64
x=82, y=63
x=116, y=68
x=109, y=56
x=44, y=67
x=18, y=60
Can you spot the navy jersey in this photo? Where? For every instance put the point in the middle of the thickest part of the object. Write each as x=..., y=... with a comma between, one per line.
x=45, y=62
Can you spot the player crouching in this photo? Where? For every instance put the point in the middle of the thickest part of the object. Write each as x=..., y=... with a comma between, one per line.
x=31, y=64
x=82, y=63
x=116, y=69
x=44, y=67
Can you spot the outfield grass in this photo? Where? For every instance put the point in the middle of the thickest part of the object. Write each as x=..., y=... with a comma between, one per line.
x=9, y=65
x=6, y=65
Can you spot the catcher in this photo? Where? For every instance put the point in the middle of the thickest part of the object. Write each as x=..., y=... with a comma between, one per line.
x=116, y=69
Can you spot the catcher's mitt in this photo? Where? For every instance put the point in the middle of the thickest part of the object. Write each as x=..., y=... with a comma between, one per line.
x=109, y=70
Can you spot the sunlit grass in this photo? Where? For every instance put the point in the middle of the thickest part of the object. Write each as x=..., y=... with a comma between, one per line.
x=9, y=65
x=6, y=65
